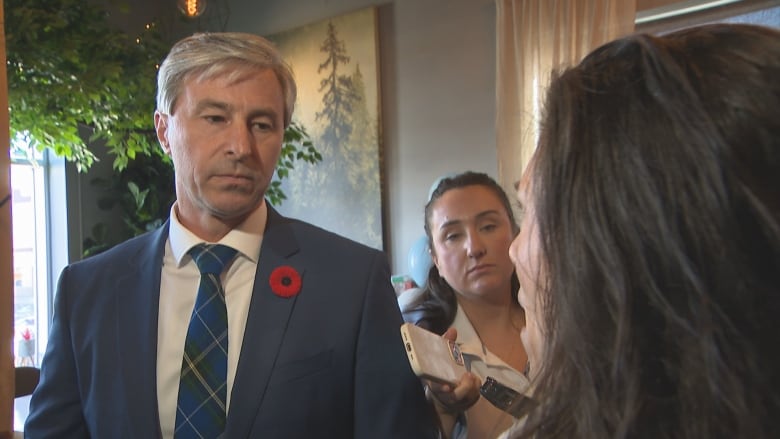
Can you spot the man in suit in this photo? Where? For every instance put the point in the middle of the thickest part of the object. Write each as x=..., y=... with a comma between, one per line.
x=312, y=335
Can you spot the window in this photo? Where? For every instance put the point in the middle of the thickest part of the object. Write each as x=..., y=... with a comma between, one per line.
x=39, y=253
x=31, y=289
x=678, y=15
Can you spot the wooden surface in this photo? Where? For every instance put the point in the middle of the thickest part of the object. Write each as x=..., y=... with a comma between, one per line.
x=641, y=5
x=6, y=264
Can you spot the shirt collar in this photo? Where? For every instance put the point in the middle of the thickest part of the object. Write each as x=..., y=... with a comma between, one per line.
x=468, y=339
x=470, y=343
x=247, y=237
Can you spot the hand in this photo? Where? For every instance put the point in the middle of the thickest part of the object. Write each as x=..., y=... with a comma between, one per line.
x=453, y=400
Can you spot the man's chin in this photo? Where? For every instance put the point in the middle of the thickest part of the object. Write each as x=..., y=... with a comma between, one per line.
x=236, y=209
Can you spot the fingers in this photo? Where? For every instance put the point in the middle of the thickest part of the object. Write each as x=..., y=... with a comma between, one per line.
x=451, y=334
x=467, y=390
x=439, y=387
x=459, y=398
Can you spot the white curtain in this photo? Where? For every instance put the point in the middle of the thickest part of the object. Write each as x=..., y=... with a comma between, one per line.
x=533, y=37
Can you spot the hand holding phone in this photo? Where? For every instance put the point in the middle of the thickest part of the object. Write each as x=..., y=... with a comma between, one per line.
x=432, y=356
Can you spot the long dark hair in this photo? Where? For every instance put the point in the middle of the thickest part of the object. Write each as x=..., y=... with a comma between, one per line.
x=438, y=304
x=656, y=183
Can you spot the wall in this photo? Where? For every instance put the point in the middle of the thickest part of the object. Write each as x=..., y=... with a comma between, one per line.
x=438, y=92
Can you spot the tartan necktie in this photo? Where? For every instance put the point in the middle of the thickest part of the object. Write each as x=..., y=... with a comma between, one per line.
x=200, y=411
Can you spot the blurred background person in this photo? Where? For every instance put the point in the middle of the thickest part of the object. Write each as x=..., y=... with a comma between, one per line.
x=650, y=248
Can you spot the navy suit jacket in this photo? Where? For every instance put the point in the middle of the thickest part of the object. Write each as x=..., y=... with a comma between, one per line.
x=327, y=362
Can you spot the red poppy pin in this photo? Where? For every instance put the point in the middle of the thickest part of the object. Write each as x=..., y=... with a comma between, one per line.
x=285, y=281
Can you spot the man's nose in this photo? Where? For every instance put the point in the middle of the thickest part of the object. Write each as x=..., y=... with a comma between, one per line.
x=240, y=142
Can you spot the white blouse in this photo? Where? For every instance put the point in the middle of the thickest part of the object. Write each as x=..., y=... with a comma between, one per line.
x=483, y=363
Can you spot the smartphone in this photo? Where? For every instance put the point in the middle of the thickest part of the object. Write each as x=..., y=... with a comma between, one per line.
x=432, y=356
x=506, y=398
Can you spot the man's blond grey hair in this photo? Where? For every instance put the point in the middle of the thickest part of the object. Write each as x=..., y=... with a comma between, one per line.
x=207, y=55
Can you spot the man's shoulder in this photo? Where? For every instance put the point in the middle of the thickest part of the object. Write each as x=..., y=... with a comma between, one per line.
x=124, y=250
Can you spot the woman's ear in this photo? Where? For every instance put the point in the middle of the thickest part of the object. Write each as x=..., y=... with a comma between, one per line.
x=434, y=258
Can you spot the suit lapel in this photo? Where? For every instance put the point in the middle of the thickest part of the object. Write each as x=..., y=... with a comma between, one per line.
x=137, y=305
x=266, y=325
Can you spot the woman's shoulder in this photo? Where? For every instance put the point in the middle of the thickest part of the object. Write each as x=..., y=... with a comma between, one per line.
x=411, y=298
x=417, y=309
x=410, y=303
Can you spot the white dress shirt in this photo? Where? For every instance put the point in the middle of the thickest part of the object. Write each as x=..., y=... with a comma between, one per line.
x=179, y=282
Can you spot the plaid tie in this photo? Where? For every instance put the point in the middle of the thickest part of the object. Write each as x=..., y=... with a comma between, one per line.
x=200, y=412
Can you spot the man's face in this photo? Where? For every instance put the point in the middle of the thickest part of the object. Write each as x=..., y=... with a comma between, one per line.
x=525, y=254
x=224, y=135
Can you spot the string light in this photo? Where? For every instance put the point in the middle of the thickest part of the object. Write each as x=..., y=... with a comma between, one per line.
x=192, y=8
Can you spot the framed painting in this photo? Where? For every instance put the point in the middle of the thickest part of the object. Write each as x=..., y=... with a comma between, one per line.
x=336, y=65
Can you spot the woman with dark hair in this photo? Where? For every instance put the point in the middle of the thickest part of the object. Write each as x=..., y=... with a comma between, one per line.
x=472, y=288
x=649, y=256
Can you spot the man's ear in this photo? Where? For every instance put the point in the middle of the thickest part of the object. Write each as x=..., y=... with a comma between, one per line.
x=161, y=128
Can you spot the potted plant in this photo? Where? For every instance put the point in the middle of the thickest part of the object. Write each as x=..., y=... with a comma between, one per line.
x=70, y=72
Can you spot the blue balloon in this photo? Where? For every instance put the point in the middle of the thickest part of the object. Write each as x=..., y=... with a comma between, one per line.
x=419, y=260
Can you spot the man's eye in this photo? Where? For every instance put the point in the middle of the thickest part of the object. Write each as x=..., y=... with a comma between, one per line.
x=263, y=126
x=214, y=119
